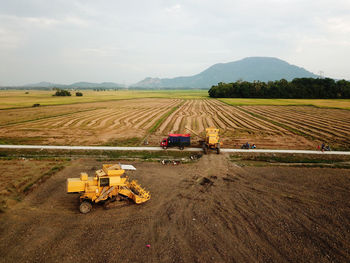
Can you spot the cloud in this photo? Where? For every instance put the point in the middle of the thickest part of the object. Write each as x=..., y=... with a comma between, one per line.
x=8, y=40
x=338, y=25
x=75, y=38
x=173, y=9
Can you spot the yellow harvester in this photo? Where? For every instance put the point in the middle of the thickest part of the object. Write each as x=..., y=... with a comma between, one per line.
x=212, y=140
x=108, y=184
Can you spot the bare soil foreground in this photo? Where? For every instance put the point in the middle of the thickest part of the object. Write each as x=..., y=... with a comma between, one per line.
x=234, y=214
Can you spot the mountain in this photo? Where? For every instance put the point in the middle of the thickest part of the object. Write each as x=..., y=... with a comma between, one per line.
x=44, y=84
x=89, y=85
x=77, y=85
x=248, y=69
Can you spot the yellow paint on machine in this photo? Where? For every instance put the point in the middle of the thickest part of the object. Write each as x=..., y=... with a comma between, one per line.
x=107, y=184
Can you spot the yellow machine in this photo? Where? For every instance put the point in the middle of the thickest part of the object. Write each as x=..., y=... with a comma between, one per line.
x=108, y=184
x=212, y=140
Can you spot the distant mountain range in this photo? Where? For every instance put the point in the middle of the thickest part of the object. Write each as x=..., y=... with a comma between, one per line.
x=79, y=85
x=248, y=69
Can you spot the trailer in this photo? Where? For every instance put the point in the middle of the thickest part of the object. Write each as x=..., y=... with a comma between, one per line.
x=176, y=140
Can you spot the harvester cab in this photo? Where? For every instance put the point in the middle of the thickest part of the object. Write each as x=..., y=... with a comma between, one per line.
x=108, y=184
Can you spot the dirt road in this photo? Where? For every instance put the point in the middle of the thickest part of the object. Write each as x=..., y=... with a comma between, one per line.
x=234, y=214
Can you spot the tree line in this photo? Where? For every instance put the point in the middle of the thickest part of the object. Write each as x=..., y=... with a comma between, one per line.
x=298, y=88
x=62, y=92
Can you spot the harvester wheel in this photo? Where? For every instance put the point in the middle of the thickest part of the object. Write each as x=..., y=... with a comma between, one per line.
x=85, y=207
x=181, y=147
x=205, y=148
x=218, y=149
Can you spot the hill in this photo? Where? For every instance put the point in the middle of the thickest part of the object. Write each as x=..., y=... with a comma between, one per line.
x=248, y=69
x=44, y=84
x=76, y=85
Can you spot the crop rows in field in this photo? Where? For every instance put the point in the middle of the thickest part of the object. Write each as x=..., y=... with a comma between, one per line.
x=96, y=123
x=321, y=124
x=131, y=114
x=128, y=118
x=200, y=114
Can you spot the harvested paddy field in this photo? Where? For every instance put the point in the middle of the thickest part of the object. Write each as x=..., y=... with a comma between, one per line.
x=19, y=176
x=236, y=126
x=130, y=122
x=329, y=125
x=238, y=214
x=85, y=124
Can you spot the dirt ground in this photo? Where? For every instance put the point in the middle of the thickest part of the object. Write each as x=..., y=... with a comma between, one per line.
x=240, y=214
x=19, y=175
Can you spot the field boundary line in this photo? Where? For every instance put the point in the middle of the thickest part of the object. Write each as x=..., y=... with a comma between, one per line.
x=128, y=148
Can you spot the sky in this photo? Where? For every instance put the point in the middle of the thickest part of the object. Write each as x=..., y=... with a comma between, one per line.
x=65, y=41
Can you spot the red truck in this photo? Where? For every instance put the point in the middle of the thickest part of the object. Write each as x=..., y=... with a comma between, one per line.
x=179, y=140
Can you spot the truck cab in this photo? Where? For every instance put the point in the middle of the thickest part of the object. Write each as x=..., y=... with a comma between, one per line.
x=164, y=143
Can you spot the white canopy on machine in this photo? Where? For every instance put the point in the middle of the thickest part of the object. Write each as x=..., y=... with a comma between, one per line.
x=127, y=167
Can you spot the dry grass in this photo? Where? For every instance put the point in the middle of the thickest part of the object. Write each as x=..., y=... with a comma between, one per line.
x=18, y=98
x=19, y=175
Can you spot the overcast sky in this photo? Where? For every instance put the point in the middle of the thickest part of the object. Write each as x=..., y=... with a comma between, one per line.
x=65, y=41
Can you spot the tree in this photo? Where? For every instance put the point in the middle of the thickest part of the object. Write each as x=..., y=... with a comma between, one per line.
x=62, y=92
x=298, y=88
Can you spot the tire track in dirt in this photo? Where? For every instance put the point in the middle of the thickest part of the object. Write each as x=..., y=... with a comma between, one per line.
x=244, y=214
